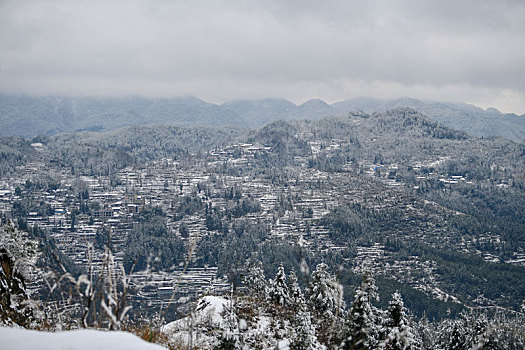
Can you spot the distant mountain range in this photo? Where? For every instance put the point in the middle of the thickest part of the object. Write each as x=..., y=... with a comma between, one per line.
x=459, y=116
x=30, y=116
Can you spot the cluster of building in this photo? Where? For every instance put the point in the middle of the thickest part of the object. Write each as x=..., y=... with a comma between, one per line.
x=82, y=207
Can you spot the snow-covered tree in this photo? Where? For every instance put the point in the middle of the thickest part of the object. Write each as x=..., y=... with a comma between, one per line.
x=426, y=333
x=477, y=330
x=400, y=334
x=15, y=306
x=325, y=294
x=256, y=282
x=452, y=335
x=278, y=291
x=325, y=298
x=474, y=330
x=304, y=337
x=364, y=319
x=297, y=299
x=231, y=337
x=16, y=253
x=505, y=333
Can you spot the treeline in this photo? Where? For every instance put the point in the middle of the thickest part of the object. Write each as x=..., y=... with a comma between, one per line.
x=316, y=316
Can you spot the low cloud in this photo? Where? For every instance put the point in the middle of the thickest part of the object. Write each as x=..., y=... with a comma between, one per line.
x=223, y=50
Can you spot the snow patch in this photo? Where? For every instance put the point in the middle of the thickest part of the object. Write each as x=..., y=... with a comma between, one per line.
x=209, y=310
x=86, y=339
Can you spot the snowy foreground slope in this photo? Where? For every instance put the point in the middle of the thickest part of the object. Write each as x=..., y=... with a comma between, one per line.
x=208, y=322
x=87, y=339
x=212, y=322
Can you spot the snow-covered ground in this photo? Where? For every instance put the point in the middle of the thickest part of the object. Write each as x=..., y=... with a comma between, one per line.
x=207, y=322
x=86, y=339
x=211, y=321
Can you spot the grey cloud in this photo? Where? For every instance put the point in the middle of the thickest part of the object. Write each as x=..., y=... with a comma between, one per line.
x=259, y=47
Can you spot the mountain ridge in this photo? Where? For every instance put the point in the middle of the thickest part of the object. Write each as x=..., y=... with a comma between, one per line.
x=30, y=116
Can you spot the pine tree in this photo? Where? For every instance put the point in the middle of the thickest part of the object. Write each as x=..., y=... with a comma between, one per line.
x=256, y=282
x=400, y=333
x=278, y=291
x=304, y=337
x=506, y=333
x=426, y=333
x=452, y=335
x=325, y=298
x=365, y=320
x=476, y=330
x=231, y=338
x=297, y=299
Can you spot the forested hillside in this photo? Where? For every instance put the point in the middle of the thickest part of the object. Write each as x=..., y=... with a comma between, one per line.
x=30, y=116
x=429, y=215
x=460, y=116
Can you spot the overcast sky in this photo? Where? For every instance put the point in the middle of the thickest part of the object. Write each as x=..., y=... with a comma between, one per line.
x=220, y=50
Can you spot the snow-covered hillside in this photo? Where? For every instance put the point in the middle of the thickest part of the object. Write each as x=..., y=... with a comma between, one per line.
x=203, y=327
x=218, y=322
x=87, y=339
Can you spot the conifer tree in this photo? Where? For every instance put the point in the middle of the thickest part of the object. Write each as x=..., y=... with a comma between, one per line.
x=297, y=299
x=426, y=333
x=278, y=291
x=231, y=338
x=400, y=333
x=256, y=282
x=304, y=337
x=477, y=329
x=452, y=335
x=364, y=319
x=325, y=298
